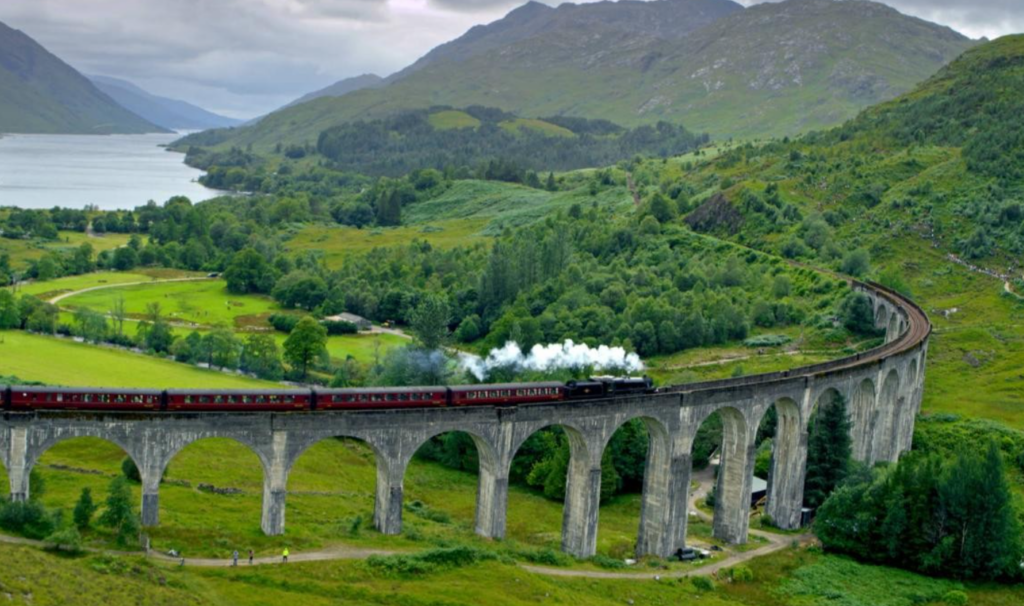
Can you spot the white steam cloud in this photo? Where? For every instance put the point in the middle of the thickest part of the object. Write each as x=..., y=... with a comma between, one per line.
x=552, y=357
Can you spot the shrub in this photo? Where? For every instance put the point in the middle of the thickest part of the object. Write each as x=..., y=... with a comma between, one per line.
x=607, y=562
x=130, y=470
x=339, y=327
x=428, y=561
x=419, y=509
x=741, y=574
x=955, y=598
x=283, y=322
x=702, y=584
x=767, y=341
x=547, y=557
x=28, y=518
x=67, y=539
x=355, y=526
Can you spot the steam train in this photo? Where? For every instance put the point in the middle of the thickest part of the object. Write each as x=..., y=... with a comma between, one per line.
x=22, y=397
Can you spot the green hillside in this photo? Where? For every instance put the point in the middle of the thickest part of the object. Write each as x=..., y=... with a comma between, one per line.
x=924, y=193
x=42, y=94
x=445, y=139
x=772, y=69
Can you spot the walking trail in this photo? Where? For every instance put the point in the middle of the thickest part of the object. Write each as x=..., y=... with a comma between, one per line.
x=705, y=479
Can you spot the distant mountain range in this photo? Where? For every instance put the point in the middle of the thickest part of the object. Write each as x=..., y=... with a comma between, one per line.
x=39, y=93
x=162, y=111
x=772, y=69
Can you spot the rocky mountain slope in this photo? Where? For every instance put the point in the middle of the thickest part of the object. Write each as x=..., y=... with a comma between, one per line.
x=39, y=93
x=773, y=69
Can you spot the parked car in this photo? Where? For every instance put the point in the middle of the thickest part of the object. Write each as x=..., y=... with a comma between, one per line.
x=687, y=554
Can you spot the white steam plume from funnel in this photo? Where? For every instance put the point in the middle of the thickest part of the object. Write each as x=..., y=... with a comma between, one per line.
x=552, y=357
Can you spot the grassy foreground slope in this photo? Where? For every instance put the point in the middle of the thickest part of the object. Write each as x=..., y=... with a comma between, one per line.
x=795, y=577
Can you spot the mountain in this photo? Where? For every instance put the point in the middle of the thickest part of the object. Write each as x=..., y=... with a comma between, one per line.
x=162, y=111
x=941, y=167
x=42, y=94
x=341, y=87
x=772, y=69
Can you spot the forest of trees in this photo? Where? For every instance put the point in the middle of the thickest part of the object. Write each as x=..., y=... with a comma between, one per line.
x=407, y=141
x=933, y=513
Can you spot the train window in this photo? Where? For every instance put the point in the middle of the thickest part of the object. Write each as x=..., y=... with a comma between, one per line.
x=273, y=399
x=404, y=397
x=60, y=397
x=375, y=397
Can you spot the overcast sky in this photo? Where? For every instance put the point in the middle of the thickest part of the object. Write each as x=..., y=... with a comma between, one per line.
x=246, y=57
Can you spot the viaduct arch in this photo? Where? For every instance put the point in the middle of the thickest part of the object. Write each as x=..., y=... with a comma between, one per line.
x=883, y=387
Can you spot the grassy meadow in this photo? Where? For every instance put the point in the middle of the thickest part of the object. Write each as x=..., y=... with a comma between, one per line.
x=793, y=577
x=48, y=289
x=200, y=302
x=336, y=243
x=65, y=362
x=23, y=251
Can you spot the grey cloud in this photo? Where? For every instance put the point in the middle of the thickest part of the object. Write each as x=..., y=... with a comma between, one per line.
x=476, y=5
x=235, y=53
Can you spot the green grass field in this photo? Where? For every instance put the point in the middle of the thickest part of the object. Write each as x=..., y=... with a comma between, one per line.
x=50, y=288
x=64, y=362
x=337, y=242
x=794, y=577
x=203, y=302
x=976, y=351
x=23, y=251
x=364, y=347
x=452, y=118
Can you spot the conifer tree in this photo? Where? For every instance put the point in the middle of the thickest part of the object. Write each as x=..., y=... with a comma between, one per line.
x=119, y=513
x=84, y=509
x=828, y=451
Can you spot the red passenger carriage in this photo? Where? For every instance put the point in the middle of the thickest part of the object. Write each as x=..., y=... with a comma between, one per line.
x=381, y=397
x=506, y=393
x=233, y=400
x=24, y=397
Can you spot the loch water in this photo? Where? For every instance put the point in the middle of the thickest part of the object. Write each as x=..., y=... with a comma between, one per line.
x=109, y=171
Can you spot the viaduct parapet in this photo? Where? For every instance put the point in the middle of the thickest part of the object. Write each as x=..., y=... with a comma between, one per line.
x=883, y=389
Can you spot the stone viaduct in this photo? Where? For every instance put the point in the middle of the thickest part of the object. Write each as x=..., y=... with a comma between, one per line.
x=883, y=388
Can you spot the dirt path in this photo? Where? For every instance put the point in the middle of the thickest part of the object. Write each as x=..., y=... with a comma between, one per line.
x=334, y=553
x=61, y=297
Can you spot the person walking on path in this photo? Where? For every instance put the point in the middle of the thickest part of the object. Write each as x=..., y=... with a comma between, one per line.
x=284, y=555
x=250, y=557
x=234, y=558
